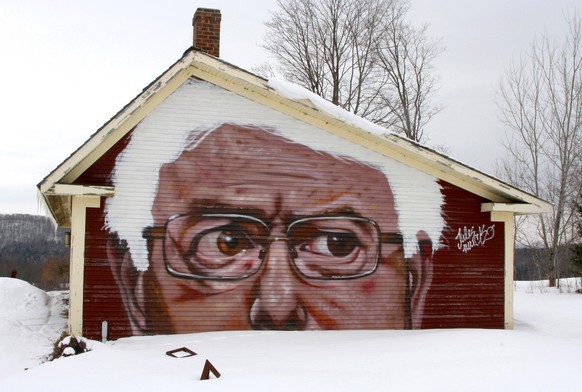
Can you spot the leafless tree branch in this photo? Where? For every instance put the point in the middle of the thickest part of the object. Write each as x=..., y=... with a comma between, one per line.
x=359, y=54
x=540, y=101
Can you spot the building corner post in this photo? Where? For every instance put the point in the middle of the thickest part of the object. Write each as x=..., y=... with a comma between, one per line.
x=509, y=252
x=80, y=203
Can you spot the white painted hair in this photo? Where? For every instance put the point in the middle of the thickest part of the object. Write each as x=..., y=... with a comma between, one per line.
x=188, y=115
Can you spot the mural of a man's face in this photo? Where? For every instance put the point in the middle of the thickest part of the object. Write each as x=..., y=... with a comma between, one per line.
x=252, y=231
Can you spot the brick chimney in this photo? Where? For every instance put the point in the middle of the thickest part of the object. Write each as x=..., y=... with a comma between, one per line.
x=206, y=24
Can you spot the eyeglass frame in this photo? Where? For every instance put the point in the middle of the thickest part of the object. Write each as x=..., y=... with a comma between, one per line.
x=160, y=232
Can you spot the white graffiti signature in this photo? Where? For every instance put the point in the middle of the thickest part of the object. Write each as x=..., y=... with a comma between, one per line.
x=471, y=238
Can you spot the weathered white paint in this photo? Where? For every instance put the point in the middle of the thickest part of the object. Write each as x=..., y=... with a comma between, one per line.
x=77, y=257
x=516, y=208
x=68, y=189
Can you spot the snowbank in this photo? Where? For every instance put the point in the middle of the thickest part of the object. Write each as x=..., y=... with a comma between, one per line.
x=542, y=353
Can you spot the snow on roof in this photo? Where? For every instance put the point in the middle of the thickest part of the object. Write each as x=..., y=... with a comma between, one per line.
x=298, y=93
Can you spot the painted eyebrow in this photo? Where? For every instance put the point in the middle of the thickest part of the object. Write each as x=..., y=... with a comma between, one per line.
x=212, y=207
x=336, y=211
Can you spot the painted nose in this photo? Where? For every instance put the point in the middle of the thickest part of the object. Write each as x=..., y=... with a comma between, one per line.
x=277, y=304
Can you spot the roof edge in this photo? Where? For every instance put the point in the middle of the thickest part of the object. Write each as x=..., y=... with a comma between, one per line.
x=194, y=63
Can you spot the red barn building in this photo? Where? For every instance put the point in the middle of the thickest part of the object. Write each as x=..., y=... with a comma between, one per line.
x=218, y=200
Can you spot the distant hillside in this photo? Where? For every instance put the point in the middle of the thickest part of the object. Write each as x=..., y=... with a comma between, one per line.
x=26, y=228
x=33, y=249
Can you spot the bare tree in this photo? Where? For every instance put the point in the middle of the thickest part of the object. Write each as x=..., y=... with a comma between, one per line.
x=576, y=248
x=405, y=58
x=541, y=104
x=348, y=52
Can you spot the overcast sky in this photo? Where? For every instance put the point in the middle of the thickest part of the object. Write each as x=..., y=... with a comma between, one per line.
x=69, y=66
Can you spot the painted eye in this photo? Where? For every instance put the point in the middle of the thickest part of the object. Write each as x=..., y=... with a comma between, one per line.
x=341, y=245
x=223, y=243
x=230, y=243
x=333, y=244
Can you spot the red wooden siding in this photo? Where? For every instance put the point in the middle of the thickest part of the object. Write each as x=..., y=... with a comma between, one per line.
x=101, y=297
x=467, y=288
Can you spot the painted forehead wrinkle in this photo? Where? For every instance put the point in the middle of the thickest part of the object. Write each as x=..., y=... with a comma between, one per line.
x=288, y=176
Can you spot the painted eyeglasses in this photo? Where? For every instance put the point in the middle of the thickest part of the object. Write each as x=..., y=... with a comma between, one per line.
x=234, y=247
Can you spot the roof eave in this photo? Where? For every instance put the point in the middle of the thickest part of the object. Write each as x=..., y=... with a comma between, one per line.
x=518, y=208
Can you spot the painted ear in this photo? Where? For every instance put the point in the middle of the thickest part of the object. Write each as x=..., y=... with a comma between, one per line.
x=421, y=271
x=130, y=283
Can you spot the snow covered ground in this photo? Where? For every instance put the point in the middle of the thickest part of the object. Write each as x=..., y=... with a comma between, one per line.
x=542, y=353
